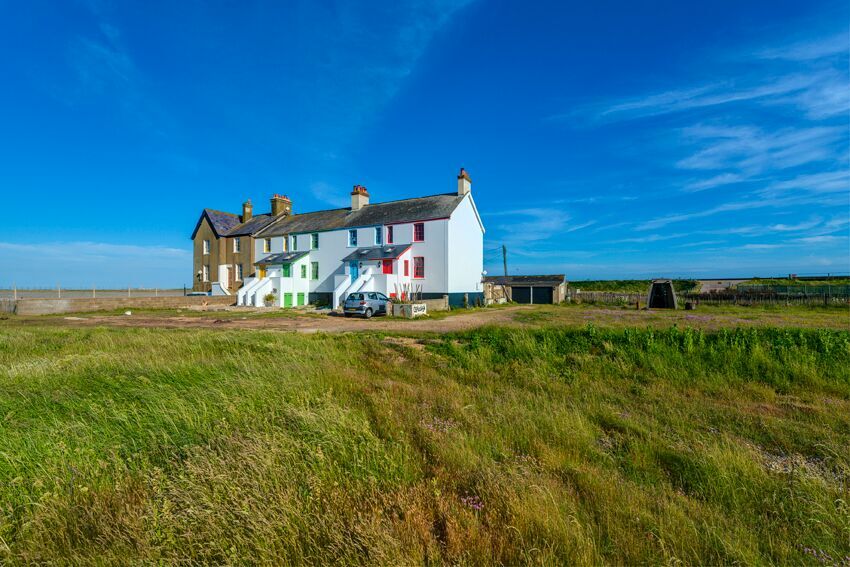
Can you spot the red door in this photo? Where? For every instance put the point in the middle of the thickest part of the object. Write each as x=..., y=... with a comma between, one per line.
x=388, y=266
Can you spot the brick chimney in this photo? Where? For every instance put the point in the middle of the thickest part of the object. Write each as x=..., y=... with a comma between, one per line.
x=281, y=205
x=247, y=211
x=464, y=183
x=359, y=197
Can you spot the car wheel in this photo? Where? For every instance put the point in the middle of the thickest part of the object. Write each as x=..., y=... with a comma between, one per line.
x=368, y=313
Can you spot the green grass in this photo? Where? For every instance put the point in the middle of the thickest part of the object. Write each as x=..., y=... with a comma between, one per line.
x=630, y=286
x=548, y=444
x=838, y=281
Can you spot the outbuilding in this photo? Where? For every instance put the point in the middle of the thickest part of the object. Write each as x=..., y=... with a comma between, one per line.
x=525, y=289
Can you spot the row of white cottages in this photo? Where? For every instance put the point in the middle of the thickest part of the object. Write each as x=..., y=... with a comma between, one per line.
x=431, y=245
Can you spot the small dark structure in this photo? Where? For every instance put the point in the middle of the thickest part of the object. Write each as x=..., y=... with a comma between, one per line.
x=661, y=295
x=525, y=289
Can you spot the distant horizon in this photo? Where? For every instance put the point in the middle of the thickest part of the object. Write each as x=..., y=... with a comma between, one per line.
x=603, y=142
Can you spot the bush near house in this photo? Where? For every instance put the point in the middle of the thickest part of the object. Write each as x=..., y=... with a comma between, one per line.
x=547, y=445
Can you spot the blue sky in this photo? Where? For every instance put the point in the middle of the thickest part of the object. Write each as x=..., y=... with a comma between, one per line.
x=604, y=139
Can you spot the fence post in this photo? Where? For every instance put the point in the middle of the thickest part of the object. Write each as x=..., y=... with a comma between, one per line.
x=15, y=292
x=128, y=291
x=58, y=291
x=93, y=292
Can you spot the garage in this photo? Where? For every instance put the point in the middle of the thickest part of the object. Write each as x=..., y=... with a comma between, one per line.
x=537, y=290
x=521, y=294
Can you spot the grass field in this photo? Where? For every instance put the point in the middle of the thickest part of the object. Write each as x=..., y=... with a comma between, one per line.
x=545, y=443
x=630, y=286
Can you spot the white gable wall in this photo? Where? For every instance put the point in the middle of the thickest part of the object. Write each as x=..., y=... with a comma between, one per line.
x=466, y=249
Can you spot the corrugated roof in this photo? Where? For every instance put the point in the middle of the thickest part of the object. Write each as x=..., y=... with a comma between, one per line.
x=553, y=279
x=391, y=212
x=377, y=252
x=282, y=258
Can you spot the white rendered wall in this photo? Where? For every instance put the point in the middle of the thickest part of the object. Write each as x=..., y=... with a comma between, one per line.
x=466, y=249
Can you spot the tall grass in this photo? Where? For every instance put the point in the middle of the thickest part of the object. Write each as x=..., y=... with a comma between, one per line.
x=547, y=445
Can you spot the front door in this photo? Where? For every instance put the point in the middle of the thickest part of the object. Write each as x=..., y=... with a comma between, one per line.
x=287, y=300
x=354, y=269
x=300, y=298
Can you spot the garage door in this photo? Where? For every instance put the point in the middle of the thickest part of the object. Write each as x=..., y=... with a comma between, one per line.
x=521, y=294
x=541, y=295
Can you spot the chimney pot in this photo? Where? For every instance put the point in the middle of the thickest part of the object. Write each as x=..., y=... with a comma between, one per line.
x=464, y=183
x=359, y=197
x=281, y=205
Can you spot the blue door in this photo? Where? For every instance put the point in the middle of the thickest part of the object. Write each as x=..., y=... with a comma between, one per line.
x=354, y=269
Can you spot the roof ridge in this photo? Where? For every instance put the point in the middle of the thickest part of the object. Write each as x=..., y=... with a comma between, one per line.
x=220, y=212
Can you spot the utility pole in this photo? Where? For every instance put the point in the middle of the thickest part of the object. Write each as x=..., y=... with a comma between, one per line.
x=505, y=258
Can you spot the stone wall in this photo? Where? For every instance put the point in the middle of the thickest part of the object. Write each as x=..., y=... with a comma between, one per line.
x=77, y=305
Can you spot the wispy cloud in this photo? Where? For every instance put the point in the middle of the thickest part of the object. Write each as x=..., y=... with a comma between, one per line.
x=80, y=264
x=329, y=194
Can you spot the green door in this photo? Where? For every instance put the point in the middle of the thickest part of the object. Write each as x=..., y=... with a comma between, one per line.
x=301, y=298
x=287, y=300
x=286, y=270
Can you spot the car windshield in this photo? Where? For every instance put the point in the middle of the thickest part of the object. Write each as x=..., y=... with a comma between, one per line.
x=355, y=296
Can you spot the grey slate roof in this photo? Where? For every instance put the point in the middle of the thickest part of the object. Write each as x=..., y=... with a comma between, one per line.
x=220, y=221
x=255, y=224
x=548, y=280
x=282, y=258
x=391, y=212
x=377, y=252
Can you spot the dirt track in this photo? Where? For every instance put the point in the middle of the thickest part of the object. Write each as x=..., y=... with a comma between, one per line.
x=710, y=318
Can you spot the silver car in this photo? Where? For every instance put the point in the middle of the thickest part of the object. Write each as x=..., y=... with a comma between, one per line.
x=365, y=304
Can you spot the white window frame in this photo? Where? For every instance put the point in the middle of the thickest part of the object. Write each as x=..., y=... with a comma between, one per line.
x=205, y=273
x=239, y=272
x=267, y=245
x=237, y=245
x=206, y=247
x=314, y=239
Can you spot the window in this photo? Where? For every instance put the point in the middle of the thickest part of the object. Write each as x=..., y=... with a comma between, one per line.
x=352, y=238
x=239, y=272
x=237, y=245
x=315, y=270
x=418, y=232
x=294, y=242
x=286, y=270
x=406, y=268
x=314, y=241
x=206, y=247
x=387, y=266
x=418, y=267
x=379, y=236
x=389, y=235
x=267, y=245
x=303, y=271
x=206, y=273
x=381, y=296
x=372, y=295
